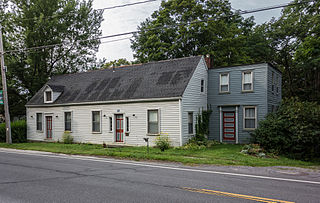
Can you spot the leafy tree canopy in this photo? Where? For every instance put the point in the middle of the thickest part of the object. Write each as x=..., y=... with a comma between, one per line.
x=183, y=28
x=116, y=63
x=74, y=24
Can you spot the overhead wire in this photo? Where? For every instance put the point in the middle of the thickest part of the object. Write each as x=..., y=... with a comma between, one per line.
x=239, y=12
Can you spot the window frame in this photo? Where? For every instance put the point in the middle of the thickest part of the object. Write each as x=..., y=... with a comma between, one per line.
x=190, y=133
x=64, y=120
x=228, y=79
x=158, y=119
x=128, y=126
x=42, y=121
x=243, y=83
x=100, y=124
x=110, y=123
x=255, y=118
x=45, y=96
x=278, y=83
x=202, y=86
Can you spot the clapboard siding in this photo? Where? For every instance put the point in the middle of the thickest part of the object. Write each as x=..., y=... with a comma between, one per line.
x=193, y=100
x=236, y=97
x=274, y=97
x=82, y=116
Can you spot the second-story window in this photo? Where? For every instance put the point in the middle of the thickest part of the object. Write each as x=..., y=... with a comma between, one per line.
x=202, y=86
x=247, y=81
x=224, y=82
x=273, y=81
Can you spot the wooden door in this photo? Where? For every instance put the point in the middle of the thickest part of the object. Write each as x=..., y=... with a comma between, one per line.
x=119, y=128
x=49, y=127
x=229, y=127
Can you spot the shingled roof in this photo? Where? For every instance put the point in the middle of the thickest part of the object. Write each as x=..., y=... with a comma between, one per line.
x=163, y=79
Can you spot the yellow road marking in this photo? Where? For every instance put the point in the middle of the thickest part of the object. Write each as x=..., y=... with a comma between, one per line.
x=254, y=198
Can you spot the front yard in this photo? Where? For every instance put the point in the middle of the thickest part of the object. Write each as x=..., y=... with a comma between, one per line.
x=224, y=154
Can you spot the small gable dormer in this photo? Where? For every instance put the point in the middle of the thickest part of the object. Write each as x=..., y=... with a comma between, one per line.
x=51, y=93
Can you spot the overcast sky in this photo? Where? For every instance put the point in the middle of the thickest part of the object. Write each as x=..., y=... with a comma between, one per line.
x=127, y=19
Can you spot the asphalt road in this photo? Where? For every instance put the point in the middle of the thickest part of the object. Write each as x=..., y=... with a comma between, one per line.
x=45, y=177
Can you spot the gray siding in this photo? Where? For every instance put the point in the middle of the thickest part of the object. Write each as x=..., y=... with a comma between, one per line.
x=236, y=97
x=193, y=100
x=274, y=96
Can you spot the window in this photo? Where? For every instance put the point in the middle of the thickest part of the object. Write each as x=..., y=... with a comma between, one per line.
x=190, y=122
x=224, y=82
x=273, y=82
x=39, y=121
x=127, y=124
x=110, y=124
x=48, y=96
x=67, y=121
x=96, y=121
x=250, y=117
x=202, y=85
x=247, y=81
x=278, y=83
x=153, y=122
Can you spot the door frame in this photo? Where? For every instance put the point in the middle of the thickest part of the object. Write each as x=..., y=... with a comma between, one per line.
x=116, y=126
x=234, y=125
x=46, y=126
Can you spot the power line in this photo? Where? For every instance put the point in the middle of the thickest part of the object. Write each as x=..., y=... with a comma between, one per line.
x=99, y=9
x=169, y=26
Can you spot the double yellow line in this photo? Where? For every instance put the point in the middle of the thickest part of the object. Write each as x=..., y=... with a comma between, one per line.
x=254, y=198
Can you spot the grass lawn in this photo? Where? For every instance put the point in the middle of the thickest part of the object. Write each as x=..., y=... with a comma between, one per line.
x=224, y=154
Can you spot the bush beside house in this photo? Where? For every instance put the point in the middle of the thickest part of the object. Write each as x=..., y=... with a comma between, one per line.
x=18, y=131
x=294, y=130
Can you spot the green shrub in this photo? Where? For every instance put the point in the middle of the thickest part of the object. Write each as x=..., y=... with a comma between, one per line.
x=294, y=130
x=162, y=141
x=18, y=131
x=192, y=146
x=67, y=138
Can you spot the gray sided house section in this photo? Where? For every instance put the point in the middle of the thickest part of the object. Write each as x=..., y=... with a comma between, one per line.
x=236, y=99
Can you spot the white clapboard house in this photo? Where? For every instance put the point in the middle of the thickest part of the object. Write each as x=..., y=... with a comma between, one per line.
x=121, y=105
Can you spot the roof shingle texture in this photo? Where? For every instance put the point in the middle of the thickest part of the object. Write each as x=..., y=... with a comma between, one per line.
x=151, y=80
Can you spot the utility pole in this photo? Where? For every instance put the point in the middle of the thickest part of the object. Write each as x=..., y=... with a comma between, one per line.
x=5, y=92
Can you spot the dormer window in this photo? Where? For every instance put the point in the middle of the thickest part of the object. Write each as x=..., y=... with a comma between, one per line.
x=48, y=96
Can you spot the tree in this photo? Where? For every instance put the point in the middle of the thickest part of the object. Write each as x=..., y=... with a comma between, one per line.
x=72, y=24
x=183, y=28
x=295, y=41
x=116, y=63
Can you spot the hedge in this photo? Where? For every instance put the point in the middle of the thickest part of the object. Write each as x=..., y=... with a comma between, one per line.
x=18, y=131
x=294, y=130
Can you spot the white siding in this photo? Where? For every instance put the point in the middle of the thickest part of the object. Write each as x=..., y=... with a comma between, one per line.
x=193, y=99
x=81, y=122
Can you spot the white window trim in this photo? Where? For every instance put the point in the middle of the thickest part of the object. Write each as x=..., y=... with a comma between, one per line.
x=42, y=122
x=147, y=121
x=247, y=71
x=244, y=117
x=45, y=96
x=220, y=91
x=96, y=132
x=112, y=123
x=64, y=121
x=192, y=123
x=204, y=86
x=129, y=123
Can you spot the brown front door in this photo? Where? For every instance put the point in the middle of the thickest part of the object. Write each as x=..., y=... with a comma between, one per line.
x=119, y=128
x=229, y=127
x=49, y=127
